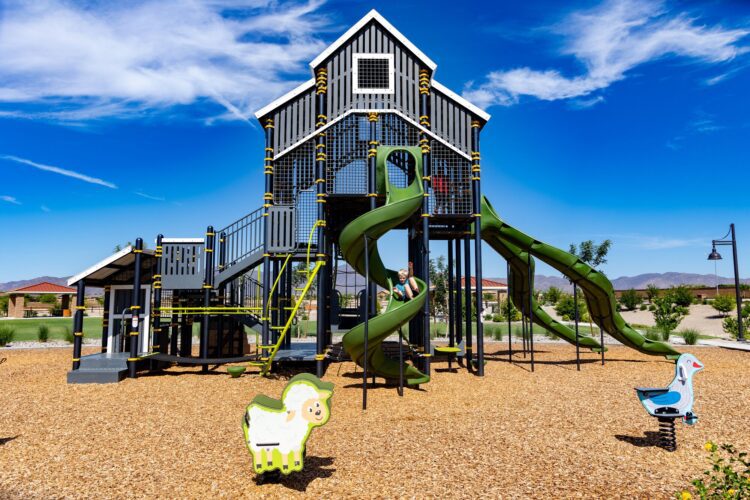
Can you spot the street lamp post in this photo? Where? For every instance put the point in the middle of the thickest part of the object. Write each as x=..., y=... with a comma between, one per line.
x=714, y=255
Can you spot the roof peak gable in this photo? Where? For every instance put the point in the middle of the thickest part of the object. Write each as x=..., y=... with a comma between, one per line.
x=373, y=15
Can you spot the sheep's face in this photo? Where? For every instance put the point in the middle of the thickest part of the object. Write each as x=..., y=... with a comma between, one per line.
x=315, y=411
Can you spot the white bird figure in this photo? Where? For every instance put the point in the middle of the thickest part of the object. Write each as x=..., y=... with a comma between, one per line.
x=675, y=400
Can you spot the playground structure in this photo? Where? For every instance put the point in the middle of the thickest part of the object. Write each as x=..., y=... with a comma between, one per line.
x=372, y=143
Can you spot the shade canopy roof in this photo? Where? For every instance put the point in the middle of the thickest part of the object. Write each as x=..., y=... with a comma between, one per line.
x=117, y=268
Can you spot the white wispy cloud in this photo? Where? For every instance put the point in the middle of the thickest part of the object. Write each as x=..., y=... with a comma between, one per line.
x=60, y=171
x=609, y=41
x=45, y=209
x=10, y=199
x=148, y=196
x=74, y=61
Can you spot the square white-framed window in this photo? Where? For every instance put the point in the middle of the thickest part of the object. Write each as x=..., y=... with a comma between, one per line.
x=372, y=73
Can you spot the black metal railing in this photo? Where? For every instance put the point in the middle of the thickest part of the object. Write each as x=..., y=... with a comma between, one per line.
x=242, y=238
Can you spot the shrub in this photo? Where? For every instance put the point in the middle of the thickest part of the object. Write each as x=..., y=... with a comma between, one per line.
x=652, y=291
x=667, y=314
x=681, y=295
x=497, y=318
x=68, y=335
x=630, y=299
x=6, y=335
x=552, y=295
x=724, y=303
x=652, y=307
x=494, y=331
x=488, y=317
x=566, y=307
x=56, y=311
x=728, y=477
x=643, y=307
x=690, y=335
x=42, y=333
x=653, y=335
x=507, y=307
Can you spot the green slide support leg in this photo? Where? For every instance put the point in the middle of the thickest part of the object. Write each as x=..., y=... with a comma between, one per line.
x=517, y=248
x=400, y=204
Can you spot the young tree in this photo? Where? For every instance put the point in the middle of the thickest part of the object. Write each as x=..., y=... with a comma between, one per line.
x=652, y=291
x=667, y=314
x=681, y=295
x=508, y=308
x=724, y=304
x=591, y=253
x=630, y=299
x=439, y=279
x=566, y=308
x=552, y=295
x=730, y=323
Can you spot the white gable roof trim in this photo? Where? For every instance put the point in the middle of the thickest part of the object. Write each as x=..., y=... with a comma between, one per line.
x=373, y=14
x=460, y=100
x=365, y=111
x=286, y=97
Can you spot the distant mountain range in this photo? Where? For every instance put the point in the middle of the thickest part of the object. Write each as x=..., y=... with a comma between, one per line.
x=640, y=282
x=346, y=276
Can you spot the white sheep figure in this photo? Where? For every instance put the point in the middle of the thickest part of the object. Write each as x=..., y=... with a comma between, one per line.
x=275, y=429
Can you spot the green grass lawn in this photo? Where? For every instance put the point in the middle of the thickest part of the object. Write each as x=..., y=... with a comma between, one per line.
x=26, y=329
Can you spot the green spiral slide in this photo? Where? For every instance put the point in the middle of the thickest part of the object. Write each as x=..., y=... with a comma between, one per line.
x=400, y=204
x=517, y=248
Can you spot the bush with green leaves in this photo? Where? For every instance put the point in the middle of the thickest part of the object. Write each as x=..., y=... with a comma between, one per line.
x=653, y=335
x=497, y=318
x=7, y=334
x=643, y=307
x=68, y=335
x=630, y=299
x=728, y=477
x=652, y=291
x=681, y=295
x=567, y=307
x=508, y=307
x=488, y=317
x=724, y=304
x=494, y=331
x=730, y=323
x=690, y=335
x=667, y=314
x=552, y=295
x=652, y=307
x=42, y=333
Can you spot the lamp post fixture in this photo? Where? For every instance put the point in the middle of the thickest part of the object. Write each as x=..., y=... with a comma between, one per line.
x=714, y=255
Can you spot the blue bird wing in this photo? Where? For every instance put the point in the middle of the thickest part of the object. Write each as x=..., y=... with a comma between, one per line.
x=666, y=399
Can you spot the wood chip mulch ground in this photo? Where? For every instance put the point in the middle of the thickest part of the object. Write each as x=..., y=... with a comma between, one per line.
x=553, y=433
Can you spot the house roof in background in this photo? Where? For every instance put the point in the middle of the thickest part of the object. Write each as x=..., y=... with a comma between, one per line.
x=44, y=287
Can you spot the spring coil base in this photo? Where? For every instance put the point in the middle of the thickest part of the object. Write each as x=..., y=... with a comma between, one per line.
x=667, y=433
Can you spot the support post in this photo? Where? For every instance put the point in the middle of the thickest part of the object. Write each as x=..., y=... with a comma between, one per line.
x=321, y=88
x=507, y=299
x=467, y=300
x=738, y=295
x=207, y=288
x=221, y=320
x=267, y=202
x=531, y=311
x=578, y=345
x=135, y=309
x=372, y=153
x=78, y=323
x=459, y=291
x=477, y=201
x=365, y=359
x=451, y=302
x=424, y=143
x=105, y=318
x=159, y=340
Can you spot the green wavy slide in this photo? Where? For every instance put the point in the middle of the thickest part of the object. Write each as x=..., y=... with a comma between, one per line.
x=400, y=204
x=517, y=248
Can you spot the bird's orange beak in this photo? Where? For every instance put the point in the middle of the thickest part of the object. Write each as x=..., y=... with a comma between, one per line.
x=697, y=365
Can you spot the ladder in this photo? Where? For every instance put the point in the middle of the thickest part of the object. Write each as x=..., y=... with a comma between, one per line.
x=265, y=362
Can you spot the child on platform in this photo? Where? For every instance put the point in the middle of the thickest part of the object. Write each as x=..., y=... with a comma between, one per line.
x=407, y=287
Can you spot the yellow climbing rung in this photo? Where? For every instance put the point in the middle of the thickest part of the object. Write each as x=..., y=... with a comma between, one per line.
x=277, y=328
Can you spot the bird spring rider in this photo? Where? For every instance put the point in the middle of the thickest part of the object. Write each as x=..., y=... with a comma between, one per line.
x=276, y=430
x=674, y=401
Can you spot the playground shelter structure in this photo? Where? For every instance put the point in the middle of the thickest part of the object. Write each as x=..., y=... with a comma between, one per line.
x=371, y=143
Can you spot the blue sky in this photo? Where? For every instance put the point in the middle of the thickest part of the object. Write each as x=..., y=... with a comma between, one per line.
x=621, y=119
